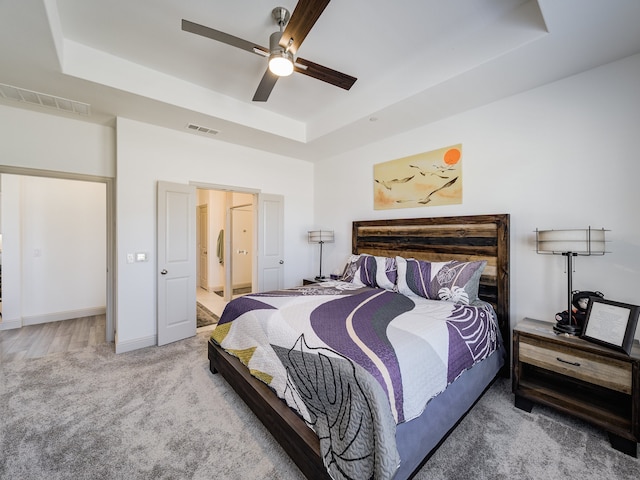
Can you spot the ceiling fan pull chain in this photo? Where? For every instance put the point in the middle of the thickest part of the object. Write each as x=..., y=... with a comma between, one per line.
x=289, y=45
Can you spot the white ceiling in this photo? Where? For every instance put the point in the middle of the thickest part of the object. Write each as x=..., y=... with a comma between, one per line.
x=416, y=61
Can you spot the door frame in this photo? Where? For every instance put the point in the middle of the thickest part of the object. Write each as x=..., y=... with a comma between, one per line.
x=199, y=232
x=111, y=320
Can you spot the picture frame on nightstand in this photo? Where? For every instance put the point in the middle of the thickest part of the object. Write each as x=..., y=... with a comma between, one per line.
x=610, y=323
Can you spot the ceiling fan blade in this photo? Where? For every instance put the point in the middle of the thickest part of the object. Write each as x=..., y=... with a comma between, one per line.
x=219, y=36
x=325, y=74
x=266, y=85
x=303, y=18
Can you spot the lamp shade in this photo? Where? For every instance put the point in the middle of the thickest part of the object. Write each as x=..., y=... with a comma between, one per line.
x=579, y=241
x=321, y=236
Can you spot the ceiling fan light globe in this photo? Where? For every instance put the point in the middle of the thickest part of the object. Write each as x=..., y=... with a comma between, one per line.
x=281, y=64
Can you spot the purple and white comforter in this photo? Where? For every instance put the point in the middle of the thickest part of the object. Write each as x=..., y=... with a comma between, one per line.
x=355, y=361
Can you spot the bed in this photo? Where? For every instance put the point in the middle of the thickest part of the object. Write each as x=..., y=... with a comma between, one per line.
x=464, y=240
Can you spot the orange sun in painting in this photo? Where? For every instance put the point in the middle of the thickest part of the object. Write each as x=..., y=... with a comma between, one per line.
x=452, y=156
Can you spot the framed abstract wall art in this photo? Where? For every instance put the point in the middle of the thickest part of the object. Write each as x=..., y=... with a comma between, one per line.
x=425, y=179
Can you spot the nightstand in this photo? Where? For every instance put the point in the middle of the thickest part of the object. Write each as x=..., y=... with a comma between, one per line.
x=594, y=383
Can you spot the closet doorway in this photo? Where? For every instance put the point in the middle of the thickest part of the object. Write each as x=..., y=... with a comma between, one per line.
x=33, y=200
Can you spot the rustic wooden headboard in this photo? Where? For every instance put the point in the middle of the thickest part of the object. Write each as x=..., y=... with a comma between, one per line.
x=465, y=238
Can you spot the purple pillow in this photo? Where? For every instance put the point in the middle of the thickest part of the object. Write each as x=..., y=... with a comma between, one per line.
x=452, y=281
x=371, y=271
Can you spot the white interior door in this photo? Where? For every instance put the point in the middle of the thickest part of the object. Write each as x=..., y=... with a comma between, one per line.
x=270, y=241
x=176, y=232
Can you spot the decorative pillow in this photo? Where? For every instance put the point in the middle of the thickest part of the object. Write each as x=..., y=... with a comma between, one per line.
x=350, y=269
x=386, y=273
x=452, y=281
x=371, y=271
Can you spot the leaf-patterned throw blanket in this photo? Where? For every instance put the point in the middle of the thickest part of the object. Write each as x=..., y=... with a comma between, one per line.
x=355, y=361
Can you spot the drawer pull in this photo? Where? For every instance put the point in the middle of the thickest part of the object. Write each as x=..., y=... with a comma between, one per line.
x=575, y=364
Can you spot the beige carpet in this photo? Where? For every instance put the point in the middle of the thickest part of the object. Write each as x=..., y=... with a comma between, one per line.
x=158, y=413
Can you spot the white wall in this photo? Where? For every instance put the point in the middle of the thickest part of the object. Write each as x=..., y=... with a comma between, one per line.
x=49, y=142
x=217, y=207
x=36, y=140
x=11, y=264
x=216, y=223
x=55, y=249
x=146, y=154
x=560, y=156
x=215, y=201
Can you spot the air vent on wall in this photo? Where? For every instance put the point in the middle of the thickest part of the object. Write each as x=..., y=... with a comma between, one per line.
x=201, y=129
x=44, y=100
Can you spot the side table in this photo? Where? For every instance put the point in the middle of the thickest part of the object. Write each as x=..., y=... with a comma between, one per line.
x=595, y=383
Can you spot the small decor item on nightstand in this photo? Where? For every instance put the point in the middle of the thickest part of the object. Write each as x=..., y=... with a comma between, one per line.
x=580, y=304
x=612, y=324
x=570, y=243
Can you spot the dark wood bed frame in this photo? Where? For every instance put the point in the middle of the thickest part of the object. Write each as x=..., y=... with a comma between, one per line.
x=467, y=238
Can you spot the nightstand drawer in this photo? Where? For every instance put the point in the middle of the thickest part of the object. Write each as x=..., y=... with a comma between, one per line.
x=606, y=372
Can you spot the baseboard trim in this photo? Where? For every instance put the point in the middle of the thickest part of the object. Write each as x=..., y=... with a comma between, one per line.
x=10, y=324
x=211, y=289
x=130, y=345
x=59, y=316
x=220, y=288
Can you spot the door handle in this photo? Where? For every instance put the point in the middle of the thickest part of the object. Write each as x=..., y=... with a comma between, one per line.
x=281, y=262
x=163, y=272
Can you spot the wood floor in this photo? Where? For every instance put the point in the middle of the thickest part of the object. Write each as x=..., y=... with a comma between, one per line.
x=35, y=341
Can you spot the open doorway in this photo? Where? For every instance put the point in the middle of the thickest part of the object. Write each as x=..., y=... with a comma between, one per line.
x=58, y=249
x=177, y=254
x=225, y=224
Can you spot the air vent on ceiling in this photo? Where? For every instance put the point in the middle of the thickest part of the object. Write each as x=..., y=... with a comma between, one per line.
x=201, y=129
x=44, y=100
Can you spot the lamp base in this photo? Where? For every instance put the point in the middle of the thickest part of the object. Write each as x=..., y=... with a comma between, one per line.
x=568, y=329
x=322, y=278
x=570, y=325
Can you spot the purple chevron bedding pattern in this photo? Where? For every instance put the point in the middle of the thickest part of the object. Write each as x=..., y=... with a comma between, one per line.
x=354, y=361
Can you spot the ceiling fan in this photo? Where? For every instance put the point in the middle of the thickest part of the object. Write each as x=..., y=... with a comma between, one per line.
x=283, y=46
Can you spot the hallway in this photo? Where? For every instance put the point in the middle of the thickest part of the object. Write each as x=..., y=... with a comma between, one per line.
x=210, y=300
x=213, y=302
